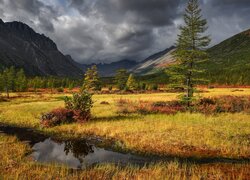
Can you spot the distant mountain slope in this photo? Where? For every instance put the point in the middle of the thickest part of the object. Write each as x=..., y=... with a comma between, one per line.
x=22, y=47
x=109, y=70
x=155, y=62
x=152, y=64
x=230, y=60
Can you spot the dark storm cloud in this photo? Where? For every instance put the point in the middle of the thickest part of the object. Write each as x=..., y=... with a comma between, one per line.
x=226, y=17
x=110, y=30
x=235, y=3
x=30, y=11
x=149, y=12
x=128, y=25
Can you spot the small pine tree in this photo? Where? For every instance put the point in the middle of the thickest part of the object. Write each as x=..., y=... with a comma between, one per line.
x=121, y=78
x=190, y=51
x=143, y=86
x=1, y=82
x=71, y=85
x=8, y=80
x=35, y=83
x=12, y=77
x=21, y=81
x=131, y=83
x=91, y=80
x=51, y=83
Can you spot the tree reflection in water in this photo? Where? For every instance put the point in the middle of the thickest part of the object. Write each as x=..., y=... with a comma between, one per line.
x=79, y=148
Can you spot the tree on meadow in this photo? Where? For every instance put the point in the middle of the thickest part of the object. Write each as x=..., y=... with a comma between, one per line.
x=190, y=51
x=1, y=83
x=121, y=78
x=7, y=79
x=92, y=80
x=21, y=81
x=11, y=76
x=51, y=84
x=131, y=83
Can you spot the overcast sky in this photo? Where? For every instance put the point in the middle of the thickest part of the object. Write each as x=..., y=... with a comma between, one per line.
x=111, y=30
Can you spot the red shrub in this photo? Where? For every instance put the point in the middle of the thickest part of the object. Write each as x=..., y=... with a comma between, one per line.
x=81, y=117
x=231, y=104
x=125, y=106
x=57, y=117
x=145, y=107
x=104, y=103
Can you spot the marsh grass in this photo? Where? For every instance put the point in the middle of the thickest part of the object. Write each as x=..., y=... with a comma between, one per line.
x=181, y=135
x=15, y=164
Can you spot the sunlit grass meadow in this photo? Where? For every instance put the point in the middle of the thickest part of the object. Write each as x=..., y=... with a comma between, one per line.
x=15, y=164
x=181, y=135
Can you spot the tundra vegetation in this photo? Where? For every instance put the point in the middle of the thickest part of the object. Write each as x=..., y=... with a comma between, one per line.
x=136, y=117
x=182, y=134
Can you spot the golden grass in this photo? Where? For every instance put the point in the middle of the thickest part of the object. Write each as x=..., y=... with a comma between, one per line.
x=15, y=165
x=184, y=134
x=178, y=135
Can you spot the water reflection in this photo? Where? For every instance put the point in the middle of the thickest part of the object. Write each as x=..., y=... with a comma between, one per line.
x=79, y=148
x=79, y=154
x=82, y=153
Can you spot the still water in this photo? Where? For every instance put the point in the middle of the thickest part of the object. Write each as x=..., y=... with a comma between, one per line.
x=79, y=153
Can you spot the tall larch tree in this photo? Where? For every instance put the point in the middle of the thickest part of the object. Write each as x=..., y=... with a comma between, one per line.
x=131, y=83
x=191, y=44
x=92, y=80
x=21, y=81
x=121, y=78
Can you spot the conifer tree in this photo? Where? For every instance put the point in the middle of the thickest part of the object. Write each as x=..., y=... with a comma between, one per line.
x=92, y=80
x=51, y=83
x=6, y=81
x=21, y=81
x=11, y=76
x=121, y=78
x=131, y=83
x=1, y=84
x=190, y=51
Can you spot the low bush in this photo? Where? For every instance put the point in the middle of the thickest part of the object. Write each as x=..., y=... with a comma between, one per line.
x=223, y=104
x=125, y=106
x=81, y=104
x=77, y=109
x=145, y=107
x=230, y=104
x=3, y=99
x=104, y=103
x=57, y=117
x=60, y=89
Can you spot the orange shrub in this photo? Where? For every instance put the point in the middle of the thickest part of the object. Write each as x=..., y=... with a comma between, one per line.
x=57, y=117
x=231, y=104
x=222, y=104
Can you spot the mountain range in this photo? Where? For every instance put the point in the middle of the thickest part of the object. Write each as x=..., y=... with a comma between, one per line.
x=22, y=47
x=37, y=54
x=229, y=61
x=109, y=69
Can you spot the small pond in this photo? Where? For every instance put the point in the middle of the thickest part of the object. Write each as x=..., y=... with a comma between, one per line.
x=82, y=153
x=77, y=154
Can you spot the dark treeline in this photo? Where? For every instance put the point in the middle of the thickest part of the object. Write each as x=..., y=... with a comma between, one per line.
x=15, y=80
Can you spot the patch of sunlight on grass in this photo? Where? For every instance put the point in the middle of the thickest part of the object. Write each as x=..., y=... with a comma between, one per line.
x=183, y=134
